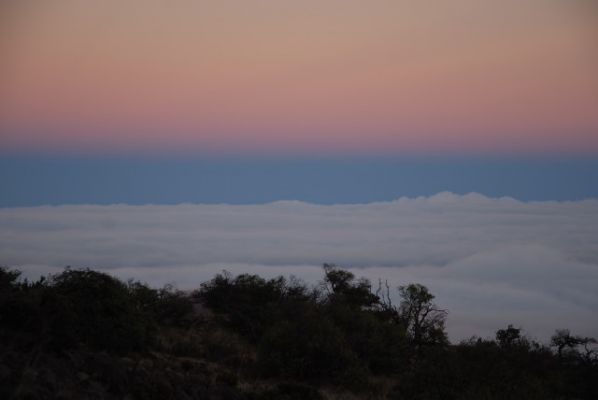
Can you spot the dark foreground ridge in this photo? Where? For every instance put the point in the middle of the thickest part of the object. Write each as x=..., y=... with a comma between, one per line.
x=82, y=334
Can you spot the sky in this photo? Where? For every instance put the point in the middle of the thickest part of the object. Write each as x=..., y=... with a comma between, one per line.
x=312, y=77
x=50, y=179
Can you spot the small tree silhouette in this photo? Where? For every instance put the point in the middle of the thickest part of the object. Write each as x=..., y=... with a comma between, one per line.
x=423, y=320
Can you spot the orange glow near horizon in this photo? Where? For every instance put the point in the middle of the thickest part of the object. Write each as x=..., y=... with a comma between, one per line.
x=326, y=75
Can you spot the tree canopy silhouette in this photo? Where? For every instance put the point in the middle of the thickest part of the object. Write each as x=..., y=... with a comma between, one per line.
x=85, y=334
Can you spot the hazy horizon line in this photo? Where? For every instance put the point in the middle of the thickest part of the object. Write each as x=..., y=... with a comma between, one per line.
x=440, y=196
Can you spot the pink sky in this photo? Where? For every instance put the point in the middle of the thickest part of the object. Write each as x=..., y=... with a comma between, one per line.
x=326, y=75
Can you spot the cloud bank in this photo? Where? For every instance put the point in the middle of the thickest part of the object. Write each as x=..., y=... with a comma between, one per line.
x=489, y=261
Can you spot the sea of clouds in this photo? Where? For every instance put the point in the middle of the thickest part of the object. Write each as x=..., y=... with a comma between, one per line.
x=490, y=262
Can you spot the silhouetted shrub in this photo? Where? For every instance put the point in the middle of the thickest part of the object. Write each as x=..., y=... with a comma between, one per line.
x=11, y=301
x=249, y=302
x=308, y=347
x=380, y=345
x=341, y=286
x=168, y=306
x=95, y=309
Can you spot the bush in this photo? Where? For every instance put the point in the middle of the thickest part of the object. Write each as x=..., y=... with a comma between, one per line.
x=308, y=347
x=97, y=310
x=249, y=302
x=167, y=306
x=11, y=301
x=381, y=346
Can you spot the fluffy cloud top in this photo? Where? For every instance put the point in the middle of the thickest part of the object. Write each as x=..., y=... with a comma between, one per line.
x=489, y=261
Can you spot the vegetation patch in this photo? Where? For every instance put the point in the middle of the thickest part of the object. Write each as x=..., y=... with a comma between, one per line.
x=84, y=334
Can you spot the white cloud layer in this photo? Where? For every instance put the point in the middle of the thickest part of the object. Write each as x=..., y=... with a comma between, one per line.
x=490, y=262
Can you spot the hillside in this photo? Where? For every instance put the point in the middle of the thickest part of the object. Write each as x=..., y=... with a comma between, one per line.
x=82, y=334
